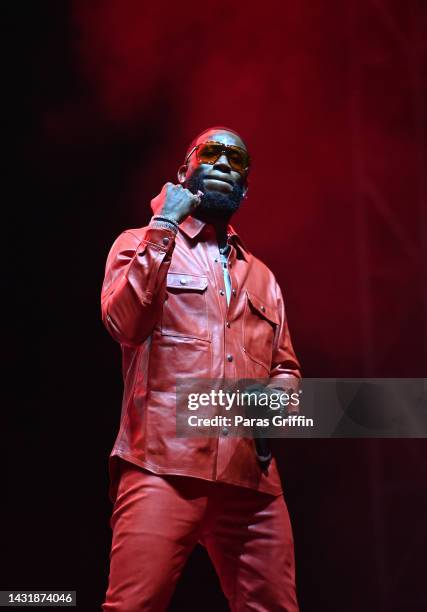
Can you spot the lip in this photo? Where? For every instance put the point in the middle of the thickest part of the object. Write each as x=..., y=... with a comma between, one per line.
x=212, y=177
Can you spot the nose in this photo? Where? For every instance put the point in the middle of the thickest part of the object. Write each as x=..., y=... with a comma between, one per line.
x=222, y=163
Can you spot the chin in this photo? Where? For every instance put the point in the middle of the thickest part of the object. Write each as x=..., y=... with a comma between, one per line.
x=216, y=203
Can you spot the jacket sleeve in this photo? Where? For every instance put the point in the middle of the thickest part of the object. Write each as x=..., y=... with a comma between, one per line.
x=134, y=283
x=285, y=370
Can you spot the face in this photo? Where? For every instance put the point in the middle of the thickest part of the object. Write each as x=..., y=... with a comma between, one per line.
x=222, y=186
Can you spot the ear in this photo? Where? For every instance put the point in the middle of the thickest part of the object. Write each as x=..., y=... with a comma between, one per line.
x=182, y=172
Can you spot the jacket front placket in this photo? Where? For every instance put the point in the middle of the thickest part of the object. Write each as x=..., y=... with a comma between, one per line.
x=226, y=444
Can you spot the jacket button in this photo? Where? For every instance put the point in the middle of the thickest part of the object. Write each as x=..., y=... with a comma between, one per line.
x=263, y=308
x=165, y=240
x=183, y=281
x=221, y=291
x=229, y=357
x=225, y=431
x=228, y=324
x=234, y=292
x=216, y=260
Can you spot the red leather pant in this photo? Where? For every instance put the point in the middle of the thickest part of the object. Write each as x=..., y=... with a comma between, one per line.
x=157, y=521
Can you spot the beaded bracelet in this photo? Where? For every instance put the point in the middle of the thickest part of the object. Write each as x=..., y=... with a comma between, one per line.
x=163, y=224
x=163, y=218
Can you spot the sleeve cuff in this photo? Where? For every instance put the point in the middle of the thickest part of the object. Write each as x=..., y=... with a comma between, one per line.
x=160, y=237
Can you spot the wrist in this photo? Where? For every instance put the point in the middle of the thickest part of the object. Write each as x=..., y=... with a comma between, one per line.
x=162, y=222
x=172, y=216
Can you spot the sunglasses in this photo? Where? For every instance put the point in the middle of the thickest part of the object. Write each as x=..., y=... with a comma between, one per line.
x=209, y=152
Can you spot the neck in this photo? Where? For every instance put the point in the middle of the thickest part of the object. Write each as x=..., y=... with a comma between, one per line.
x=219, y=224
x=221, y=233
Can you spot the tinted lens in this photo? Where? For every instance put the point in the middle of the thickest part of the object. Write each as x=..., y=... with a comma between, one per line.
x=238, y=159
x=209, y=153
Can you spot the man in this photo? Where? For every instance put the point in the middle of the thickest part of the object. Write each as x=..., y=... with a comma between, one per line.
x=178, y=311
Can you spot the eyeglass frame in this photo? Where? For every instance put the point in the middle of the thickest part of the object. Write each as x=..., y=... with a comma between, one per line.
x=224, y=150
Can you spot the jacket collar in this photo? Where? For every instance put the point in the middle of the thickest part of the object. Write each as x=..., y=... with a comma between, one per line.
x=192, y=227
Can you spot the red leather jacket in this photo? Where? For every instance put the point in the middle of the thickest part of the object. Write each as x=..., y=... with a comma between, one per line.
x=163, y=300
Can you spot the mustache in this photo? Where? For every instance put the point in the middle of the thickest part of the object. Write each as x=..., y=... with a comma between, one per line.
x=195, y=183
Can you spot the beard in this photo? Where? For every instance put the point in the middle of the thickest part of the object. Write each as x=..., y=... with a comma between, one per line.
x=214, y=204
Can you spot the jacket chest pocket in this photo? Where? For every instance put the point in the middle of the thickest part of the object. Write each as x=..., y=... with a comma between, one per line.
x=185, y=309
x=260, y=323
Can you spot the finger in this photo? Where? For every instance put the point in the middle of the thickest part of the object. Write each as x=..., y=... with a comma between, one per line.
x=196, y=201
x=199, y=197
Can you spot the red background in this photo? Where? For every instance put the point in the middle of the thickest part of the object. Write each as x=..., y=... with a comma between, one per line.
x=331, y=100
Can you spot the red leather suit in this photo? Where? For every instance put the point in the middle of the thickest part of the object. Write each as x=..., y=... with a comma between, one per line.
x=163, y=300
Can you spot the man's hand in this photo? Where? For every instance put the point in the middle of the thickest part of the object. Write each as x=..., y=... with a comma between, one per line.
x=175, y=202
x=266, y=402
x=259, y=404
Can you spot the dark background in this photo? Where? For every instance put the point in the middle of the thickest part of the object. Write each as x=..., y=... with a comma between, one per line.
x=105, y=97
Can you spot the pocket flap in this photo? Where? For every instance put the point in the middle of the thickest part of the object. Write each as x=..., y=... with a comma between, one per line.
x=191, y=282
x=263, y=309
